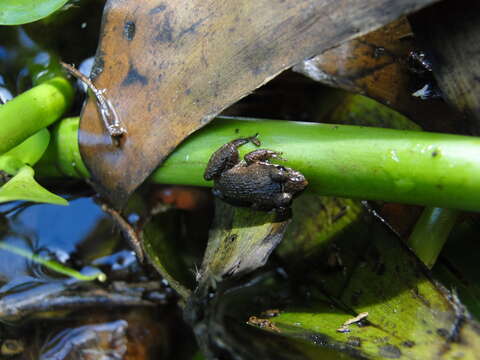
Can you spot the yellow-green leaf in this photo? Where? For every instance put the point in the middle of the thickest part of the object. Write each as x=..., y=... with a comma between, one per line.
x=24, y=187
x=28, y=152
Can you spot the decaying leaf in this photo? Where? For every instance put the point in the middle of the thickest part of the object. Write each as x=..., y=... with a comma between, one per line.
x=409, y=315
x=160, y=250
x=377, y=65
x=450, y=35
x=241, y=240
x=222, y=334
x=169, y=67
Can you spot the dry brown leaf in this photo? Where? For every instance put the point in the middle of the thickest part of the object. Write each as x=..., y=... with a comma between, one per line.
x=170, y=66
x=376, y=65
x=450, y=33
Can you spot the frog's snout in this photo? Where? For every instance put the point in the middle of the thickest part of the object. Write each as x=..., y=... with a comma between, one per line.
x=297, y=182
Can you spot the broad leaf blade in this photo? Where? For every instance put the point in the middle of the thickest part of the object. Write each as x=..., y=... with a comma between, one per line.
x=24, y=187
x=410, y=316
x=15, y=12
x=170, y=66
x=158, y=238
x=241, y=240
x=376, y=65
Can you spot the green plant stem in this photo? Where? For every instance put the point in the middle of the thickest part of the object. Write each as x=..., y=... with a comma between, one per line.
x=62, y=157
x=431, y=232
x=33, y=110
x=347, y=161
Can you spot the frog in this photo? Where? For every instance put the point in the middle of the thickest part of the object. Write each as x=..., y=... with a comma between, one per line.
x=254, y=181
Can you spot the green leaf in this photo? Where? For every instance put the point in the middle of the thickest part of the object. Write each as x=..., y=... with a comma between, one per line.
x=24, y=187
x=28, y=152
x=368, y=270
x=15, y=12
x=159, y=246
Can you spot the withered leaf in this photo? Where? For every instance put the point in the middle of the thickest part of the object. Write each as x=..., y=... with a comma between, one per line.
x=241, y=240
x=450, y=34
x=376, y=65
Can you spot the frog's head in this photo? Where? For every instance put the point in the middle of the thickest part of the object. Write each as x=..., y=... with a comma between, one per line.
x=296, y=182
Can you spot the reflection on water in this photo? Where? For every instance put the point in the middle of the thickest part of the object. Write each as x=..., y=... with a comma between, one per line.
x=37, y=228
x=54, y=232
x=100, y=341
x=52, y=316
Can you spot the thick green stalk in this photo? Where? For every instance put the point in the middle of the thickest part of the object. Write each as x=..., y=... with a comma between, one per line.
x=33, y=110
x=431, y=232
x=62, y=157
x=348, y=161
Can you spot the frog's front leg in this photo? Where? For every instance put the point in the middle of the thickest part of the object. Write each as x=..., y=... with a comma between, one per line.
x=283, y=200
x=261, y=155
x=226, y=157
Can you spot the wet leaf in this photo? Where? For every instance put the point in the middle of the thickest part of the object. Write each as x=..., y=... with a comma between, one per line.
x=376, y=65
x=458, y=266
x=317, y=223
x=24, y=187
x=158, y=237
x=223, y=332
x=241, y=240
x=409, y=315
x=15, y=12
x=170, y=66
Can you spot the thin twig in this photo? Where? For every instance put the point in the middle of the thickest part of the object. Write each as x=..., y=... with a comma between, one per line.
x=105, y=108
x=126, y=228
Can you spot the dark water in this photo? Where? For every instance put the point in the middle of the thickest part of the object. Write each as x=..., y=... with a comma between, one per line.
x=56, y=228
x=81, y=237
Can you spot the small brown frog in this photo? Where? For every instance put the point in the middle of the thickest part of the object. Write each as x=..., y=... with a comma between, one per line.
x=254, y=181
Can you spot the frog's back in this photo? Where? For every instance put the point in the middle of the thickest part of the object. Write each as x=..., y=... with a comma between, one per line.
x=248, y=185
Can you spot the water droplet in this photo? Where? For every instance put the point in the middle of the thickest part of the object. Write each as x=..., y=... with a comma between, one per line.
x=394, y=156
